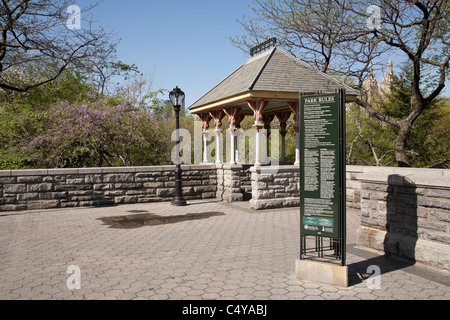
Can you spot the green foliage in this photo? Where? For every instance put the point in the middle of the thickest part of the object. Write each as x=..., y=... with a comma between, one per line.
x=24, y=115
x=372, y=142
x=66, y=123
x=96, y=136
x=430, y=139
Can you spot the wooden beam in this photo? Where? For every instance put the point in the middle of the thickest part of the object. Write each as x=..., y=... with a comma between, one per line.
x=239, y=120
x=267, y=119
x=258, y=110
x=283, y=117
x=292, y=107
x=218, y=116
x=205, y=118
x=242, y=99
x=262, y=106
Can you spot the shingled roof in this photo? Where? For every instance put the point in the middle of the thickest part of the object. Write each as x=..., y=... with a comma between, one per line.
x=272, y=71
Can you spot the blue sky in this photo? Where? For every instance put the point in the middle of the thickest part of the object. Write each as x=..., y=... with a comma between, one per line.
x=183, y=43
x=180, y=42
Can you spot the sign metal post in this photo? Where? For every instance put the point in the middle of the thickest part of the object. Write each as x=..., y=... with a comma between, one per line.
x=323, y=177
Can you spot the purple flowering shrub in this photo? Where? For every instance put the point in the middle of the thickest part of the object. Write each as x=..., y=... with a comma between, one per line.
x=96, y=136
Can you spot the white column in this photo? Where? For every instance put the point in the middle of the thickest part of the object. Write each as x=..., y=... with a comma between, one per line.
x=237, y=133
x=297, y=149
x=258, y=148
x=232, y=145
x=205, y=146
x=297, y=131
x=218, y=145
x=258, y=109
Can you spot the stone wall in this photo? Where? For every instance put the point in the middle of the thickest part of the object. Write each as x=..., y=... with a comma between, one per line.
x=282, y=189
x=353, y=187
x=233, y=182
x=58, y=188
x=229, y=183
x=275, y=190
x=406, y=213
x=53, y=188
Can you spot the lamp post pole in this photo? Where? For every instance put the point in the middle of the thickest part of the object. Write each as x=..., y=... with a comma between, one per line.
x=177, y=98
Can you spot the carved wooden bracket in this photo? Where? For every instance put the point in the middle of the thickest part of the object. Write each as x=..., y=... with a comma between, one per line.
x=218, y=117
x=206, y=118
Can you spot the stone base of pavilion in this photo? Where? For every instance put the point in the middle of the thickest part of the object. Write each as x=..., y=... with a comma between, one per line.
x=266, y=187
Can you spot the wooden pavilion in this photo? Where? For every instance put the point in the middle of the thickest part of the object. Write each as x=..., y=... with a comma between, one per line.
x=264, y=87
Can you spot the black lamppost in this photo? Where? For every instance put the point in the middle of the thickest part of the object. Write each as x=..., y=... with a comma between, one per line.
x=177, y=98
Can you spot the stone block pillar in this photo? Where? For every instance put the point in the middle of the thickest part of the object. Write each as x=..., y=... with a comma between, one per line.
x=404, y=213
x=229, y=182
x=275, y=190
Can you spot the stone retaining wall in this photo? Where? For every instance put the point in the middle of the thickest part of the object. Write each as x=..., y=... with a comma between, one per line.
x=353, y=188
x=43, y=189
x=406, y=213
x=229, y=179
x=283, y=190
x=54, y=188
x=275, y=189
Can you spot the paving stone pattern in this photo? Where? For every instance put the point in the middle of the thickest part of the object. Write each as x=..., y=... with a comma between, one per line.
x=242, y=255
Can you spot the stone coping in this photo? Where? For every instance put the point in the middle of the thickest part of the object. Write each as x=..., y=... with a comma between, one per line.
x=354, y=169
x=45, y=172
x=271, y=169
x=419, y=177
x=416, y=176
x=74, y=171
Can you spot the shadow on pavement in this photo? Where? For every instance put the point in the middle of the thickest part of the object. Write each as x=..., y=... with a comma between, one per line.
x=372, y=266
x=150, y=219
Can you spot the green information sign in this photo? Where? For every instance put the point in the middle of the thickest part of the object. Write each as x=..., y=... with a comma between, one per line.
x=322, y=165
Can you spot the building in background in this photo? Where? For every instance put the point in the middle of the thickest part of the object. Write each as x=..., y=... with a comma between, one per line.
x=371, y=88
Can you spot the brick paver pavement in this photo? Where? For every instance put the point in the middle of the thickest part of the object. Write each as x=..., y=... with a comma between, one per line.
x=238, y=254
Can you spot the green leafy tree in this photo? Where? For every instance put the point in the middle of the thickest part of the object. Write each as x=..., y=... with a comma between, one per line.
x=335, y=36
x=23, y=114
x=98, y=135
x=372, y=142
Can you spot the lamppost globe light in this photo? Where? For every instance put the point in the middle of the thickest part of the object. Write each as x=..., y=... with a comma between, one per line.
x=177, y=97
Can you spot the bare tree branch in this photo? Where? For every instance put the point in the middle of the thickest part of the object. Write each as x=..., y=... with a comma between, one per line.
x=36, y=30
x=439, y=163
x=333, y=36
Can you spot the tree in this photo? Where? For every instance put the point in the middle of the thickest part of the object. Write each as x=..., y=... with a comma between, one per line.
x=335, y=35
x=98, y=135
x=37, y=45
x=311, y=29
x=105, y=71
x=363, y=146
x=428, y=144
x=65, y=123
x=24, y=114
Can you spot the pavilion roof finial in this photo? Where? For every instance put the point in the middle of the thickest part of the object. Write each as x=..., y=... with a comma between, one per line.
x=272, y=42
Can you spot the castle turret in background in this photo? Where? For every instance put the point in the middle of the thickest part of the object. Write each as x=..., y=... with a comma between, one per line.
x=389, y=80
x=371, y=87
